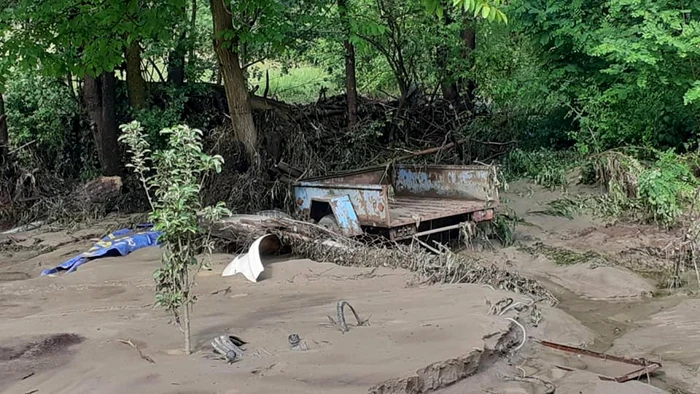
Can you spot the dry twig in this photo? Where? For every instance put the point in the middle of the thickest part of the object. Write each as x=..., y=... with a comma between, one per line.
x=134, y=346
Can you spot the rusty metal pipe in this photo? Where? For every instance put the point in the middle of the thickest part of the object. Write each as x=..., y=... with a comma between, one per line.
x=438, y=230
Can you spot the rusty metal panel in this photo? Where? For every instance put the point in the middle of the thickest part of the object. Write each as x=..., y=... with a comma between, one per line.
x=345, y=216
x=367, y=176
x=369, y=201
x=421, y=193
x=476, y=183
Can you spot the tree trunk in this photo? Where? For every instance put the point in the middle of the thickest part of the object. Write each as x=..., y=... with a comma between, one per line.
x=469, y=40
x=450, y=92
x=350, y=78
x=234, y=82
x=448, y=82
x=176, y=62
x=186, y=312
x=135, y=84
x=99, y=95
x=4, y=136
x=193, y=34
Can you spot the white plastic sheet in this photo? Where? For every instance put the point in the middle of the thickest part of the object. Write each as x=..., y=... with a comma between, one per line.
x=249, y=264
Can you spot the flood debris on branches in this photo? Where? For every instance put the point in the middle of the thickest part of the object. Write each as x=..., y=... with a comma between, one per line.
x=308, y=240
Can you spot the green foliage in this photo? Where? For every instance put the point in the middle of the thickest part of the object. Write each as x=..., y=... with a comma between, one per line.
x=39, y=109
x=89, y=37
x=503, y=227
x=42, y=112
x=544, y=167
x=524, y=101
x=299, y=84
x=666, y=188
x=658, y=192
x=628, y=66
x=564, y=207
x=174, y=194
x=563, y=256
x=155, y=119
x=692, y=95
x=486, y=9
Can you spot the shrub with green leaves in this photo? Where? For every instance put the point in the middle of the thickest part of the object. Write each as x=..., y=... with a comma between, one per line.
x=658, y=191
x=544, y=167
x=154, y=119
x=172, y=179
x=666, y=188
x=41, y=112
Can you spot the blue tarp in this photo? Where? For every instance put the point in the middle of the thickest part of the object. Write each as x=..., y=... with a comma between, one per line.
x=118, y=243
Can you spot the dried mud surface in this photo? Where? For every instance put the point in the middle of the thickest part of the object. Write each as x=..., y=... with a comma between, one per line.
x=62, y=334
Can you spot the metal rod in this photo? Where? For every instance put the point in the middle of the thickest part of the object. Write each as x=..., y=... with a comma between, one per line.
x=425, y=245
x=438, y=230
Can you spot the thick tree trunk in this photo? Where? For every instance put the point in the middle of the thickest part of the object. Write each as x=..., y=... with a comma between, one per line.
x=4, y=136
x=234, y=82
x=135, y=84
x=99, y=95
x=469, y=40
x=350, y=78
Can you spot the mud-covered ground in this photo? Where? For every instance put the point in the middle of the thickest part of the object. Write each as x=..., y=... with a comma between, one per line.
x=62, y=334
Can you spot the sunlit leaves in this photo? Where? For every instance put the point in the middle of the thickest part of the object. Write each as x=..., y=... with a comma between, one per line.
x=86, y=37
x=692, y=95
x=632, y=65
x=489, y=10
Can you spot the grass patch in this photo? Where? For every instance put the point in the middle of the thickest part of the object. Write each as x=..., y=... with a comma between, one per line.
x=564, y=207
x=544, y=167
x=300, y=84
x=661, y=274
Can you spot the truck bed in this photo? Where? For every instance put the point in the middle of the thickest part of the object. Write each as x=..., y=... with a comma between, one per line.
x=400, y=200
x=409, y=210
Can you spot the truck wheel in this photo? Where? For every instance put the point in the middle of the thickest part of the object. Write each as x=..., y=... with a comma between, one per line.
x=330, y=223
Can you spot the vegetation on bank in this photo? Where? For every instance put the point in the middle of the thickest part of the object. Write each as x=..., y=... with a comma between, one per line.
x=601, y=91
x=560, y=85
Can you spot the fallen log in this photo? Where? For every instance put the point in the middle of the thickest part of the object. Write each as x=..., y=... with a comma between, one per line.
x=243, y=229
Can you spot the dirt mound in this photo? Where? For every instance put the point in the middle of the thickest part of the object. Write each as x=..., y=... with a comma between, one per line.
x=601, y=283
x=11, y=276
x=39, y=348
x=21, y=358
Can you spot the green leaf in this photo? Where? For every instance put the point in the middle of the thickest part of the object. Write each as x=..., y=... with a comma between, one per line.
x=693, y=94
x=485, y=11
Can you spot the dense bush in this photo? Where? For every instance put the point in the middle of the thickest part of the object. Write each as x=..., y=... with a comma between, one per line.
x=44, y=115
x=666, y=188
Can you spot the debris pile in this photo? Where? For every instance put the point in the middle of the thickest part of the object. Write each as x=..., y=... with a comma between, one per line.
x=308, y=240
